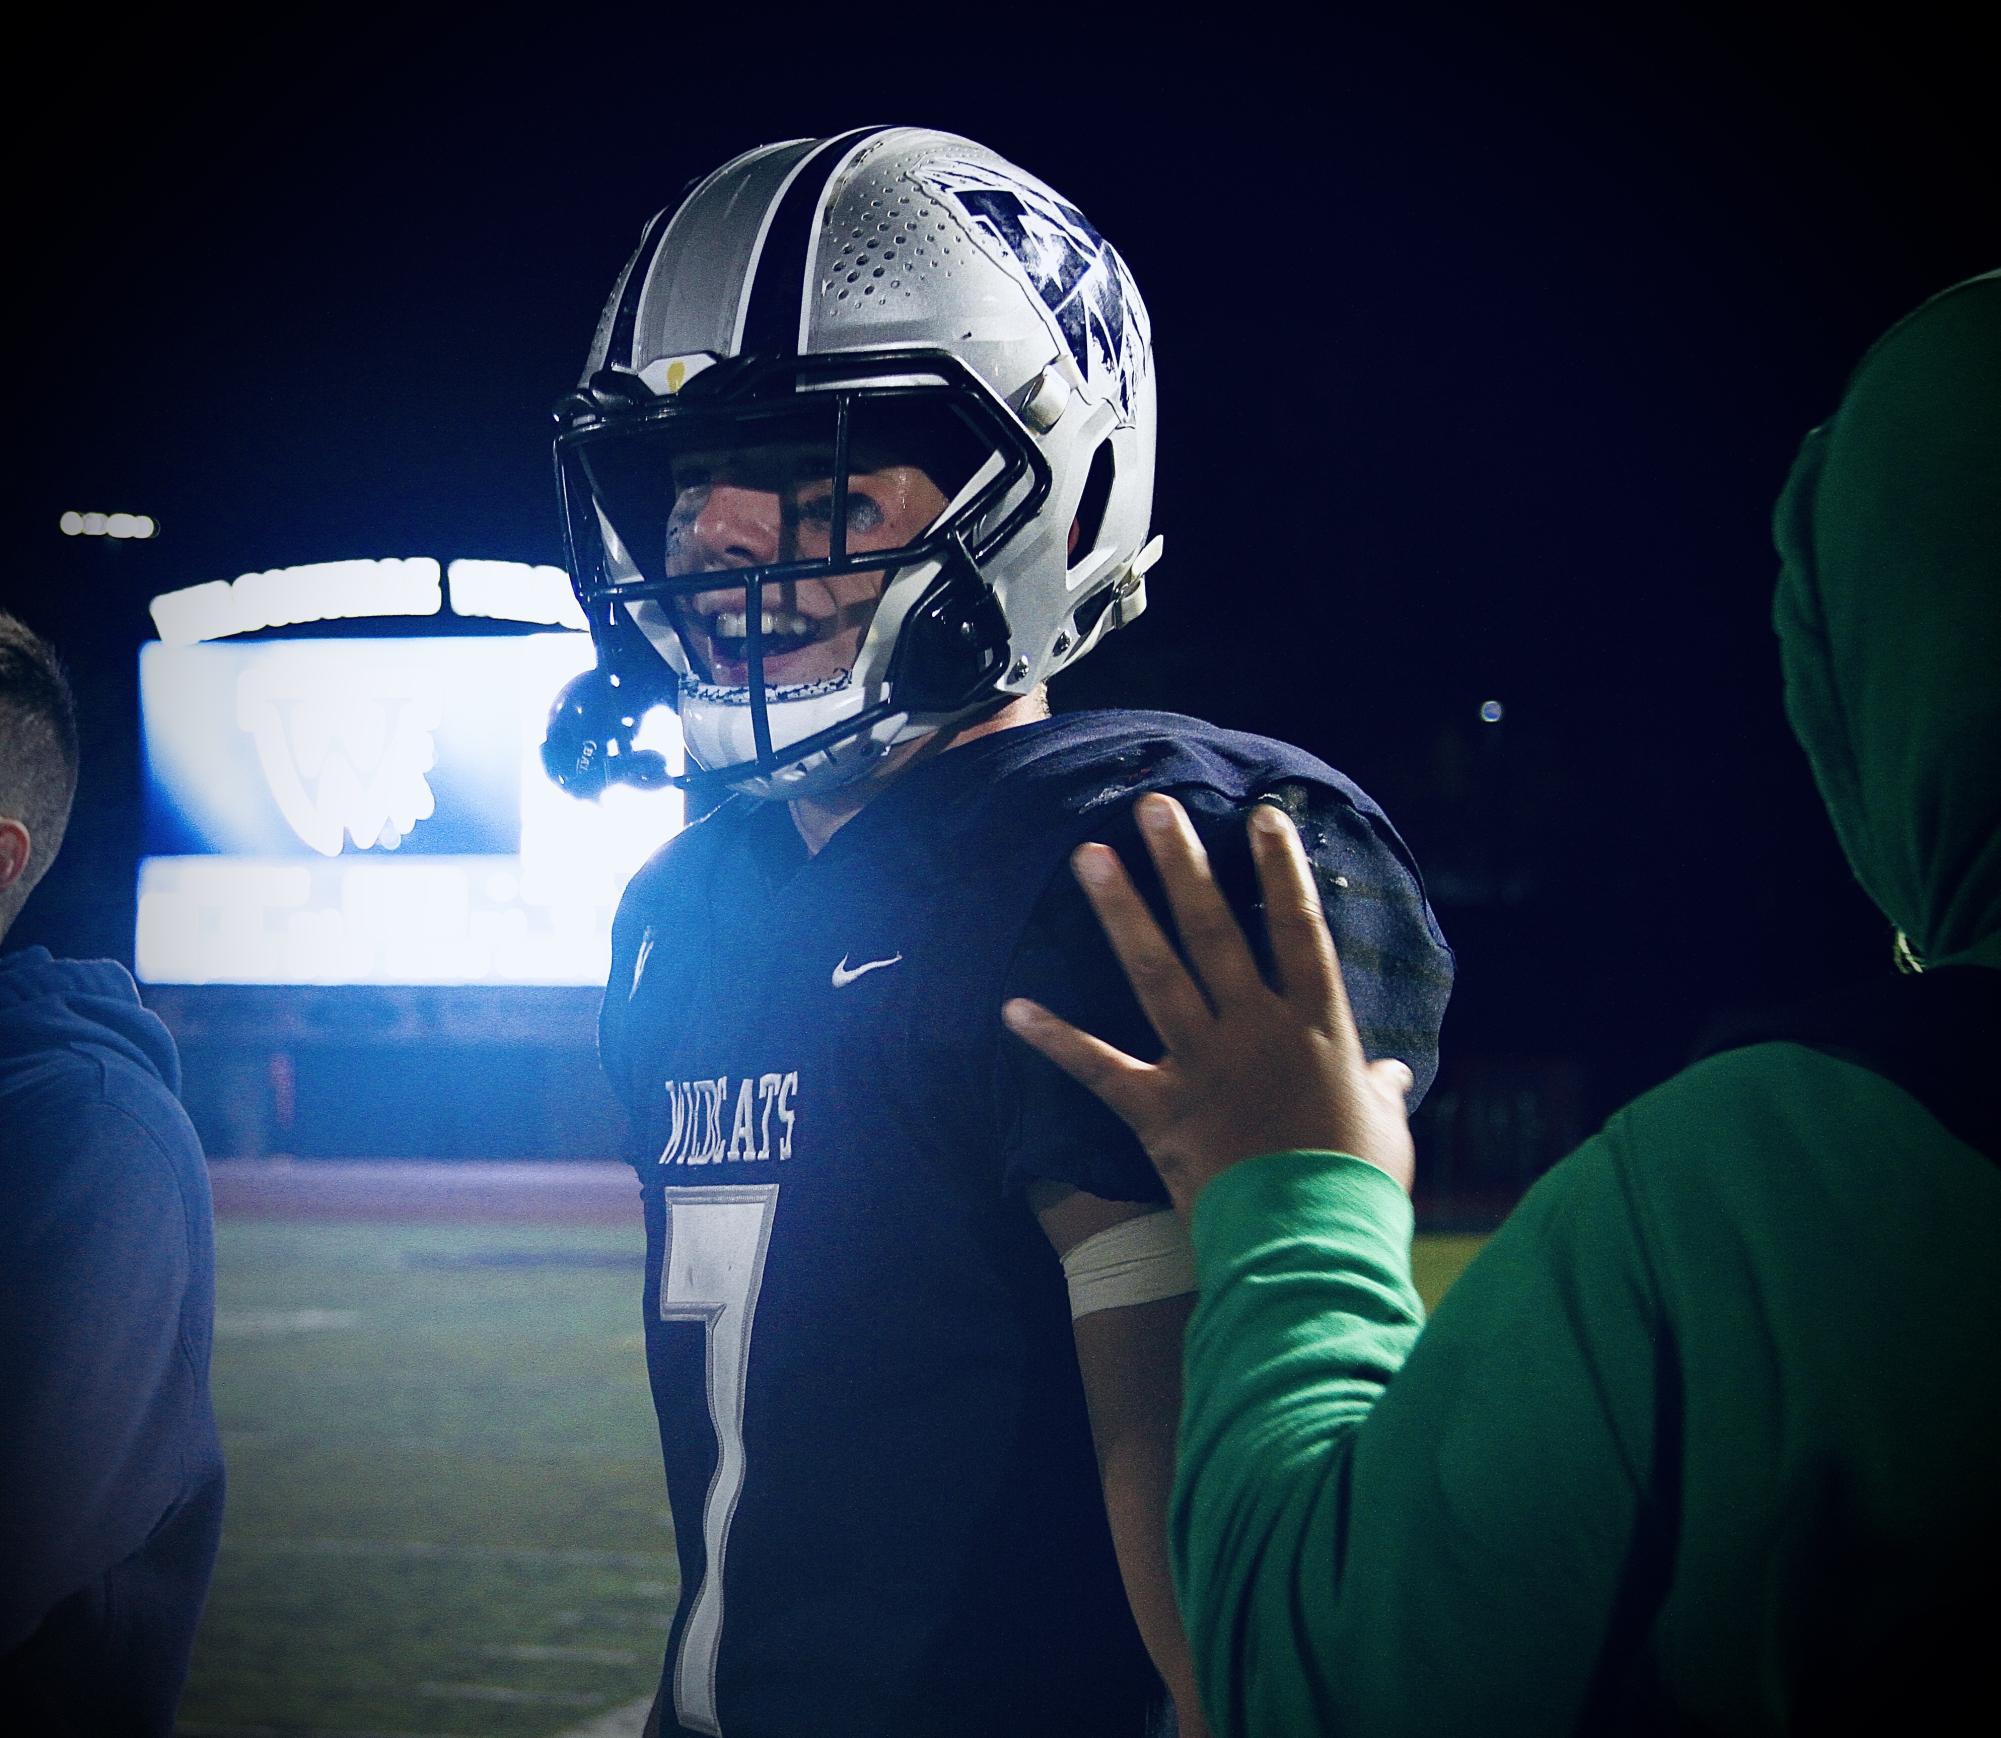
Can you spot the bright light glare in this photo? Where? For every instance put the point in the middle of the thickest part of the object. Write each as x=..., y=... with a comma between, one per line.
x=289, y=772
x=1491, y=712
x=323, y=591
x=512, y=591
x=120, y=525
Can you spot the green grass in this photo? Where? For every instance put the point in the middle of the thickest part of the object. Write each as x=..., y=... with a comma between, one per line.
x=445, y=1509
x=1437, y=1261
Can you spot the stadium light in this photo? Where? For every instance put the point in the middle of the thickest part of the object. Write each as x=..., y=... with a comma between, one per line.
x=513, y=591
x=322, y=591
x=119, y=525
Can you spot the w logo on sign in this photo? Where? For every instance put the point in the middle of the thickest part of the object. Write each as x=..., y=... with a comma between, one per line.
x=343, y=760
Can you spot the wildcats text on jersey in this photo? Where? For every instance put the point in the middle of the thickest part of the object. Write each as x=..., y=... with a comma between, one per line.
x=697, y=1108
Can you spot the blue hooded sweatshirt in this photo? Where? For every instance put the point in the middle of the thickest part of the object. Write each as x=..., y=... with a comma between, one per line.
x=110, y=1468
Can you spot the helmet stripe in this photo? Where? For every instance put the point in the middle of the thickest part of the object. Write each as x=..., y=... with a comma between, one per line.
x=621, y=348
x=619, y=341
x=771, y=321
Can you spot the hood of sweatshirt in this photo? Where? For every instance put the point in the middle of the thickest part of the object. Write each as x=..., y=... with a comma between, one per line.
x=52, y=1009
x=1889, y=619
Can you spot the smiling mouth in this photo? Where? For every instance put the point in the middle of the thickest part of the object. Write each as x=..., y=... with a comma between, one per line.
x=786, y=634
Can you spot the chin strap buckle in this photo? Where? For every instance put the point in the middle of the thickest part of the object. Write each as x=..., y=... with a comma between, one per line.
x=1129, y=589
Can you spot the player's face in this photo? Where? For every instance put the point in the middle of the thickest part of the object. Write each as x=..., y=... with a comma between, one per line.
x=735, y=510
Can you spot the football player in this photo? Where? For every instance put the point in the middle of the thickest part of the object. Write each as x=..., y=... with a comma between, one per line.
x=862, y=455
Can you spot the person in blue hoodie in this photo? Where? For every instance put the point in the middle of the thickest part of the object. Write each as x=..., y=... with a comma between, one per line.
x=111, y=1475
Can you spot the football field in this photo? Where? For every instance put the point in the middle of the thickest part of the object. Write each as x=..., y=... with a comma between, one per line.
x=445, y=1512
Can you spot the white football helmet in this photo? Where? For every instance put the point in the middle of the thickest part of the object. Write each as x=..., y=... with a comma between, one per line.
x=893, y=292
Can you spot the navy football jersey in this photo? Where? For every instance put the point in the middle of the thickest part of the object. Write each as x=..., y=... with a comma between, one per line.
x=879, y=1464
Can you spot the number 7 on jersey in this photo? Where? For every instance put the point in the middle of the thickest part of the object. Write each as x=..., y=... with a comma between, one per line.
x=711, y=1267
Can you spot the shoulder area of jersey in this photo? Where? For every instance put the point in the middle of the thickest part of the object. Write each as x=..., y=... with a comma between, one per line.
x=890, y=295
x=1098, y=763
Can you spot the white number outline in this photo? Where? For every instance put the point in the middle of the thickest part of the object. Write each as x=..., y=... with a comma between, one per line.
x=714, y=1281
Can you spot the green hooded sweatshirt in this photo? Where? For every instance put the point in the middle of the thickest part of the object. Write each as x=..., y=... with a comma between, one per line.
x=1706, y=1438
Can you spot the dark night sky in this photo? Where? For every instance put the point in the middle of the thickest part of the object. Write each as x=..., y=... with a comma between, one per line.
x=1484, y=349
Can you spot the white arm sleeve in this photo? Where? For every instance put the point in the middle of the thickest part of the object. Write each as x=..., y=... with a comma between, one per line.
x=1133, y=1262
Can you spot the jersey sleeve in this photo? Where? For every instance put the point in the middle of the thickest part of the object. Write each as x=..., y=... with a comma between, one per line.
x=1396, y=964
x=1050, y=1129
x=1417, y=1535
x=655, y=904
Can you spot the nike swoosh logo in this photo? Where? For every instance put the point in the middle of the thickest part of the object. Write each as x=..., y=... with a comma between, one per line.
x=844, y=977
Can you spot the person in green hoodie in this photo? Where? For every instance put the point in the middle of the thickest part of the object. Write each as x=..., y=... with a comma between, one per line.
x=1705, y=1439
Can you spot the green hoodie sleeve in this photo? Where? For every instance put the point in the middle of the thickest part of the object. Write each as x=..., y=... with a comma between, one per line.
x=1442, y=1553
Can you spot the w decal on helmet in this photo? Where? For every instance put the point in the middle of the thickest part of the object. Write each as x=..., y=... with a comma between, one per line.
x=1052, y=248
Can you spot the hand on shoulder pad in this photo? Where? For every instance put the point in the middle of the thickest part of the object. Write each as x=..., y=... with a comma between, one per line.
x=1249, y=1067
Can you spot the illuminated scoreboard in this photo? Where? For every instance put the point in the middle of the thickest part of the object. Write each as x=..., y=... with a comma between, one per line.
x=374, y=811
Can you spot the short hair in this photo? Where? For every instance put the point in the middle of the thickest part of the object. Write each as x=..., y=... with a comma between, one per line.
x=38, y=745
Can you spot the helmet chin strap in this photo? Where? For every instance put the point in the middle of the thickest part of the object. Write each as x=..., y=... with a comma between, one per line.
x=892, y=746
x=820, y=814
x=719, y=736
